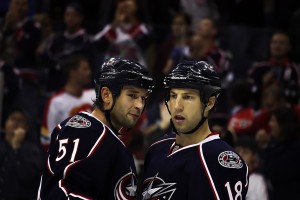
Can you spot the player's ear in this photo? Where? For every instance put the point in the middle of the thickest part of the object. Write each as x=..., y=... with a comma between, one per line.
x=210, y=104
x=106, y=96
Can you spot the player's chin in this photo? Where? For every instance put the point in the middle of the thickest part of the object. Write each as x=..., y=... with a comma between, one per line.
x=133, y=117
x=180, y=128
x=130, y=123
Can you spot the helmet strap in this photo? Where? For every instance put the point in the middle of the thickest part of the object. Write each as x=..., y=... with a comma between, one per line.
x=203, y=119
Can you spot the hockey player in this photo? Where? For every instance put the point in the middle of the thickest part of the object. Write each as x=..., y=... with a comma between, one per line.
x=86, y=159
x=194, y=163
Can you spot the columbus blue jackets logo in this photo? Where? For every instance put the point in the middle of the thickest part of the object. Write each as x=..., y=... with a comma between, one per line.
x=126, y=187
x=155, y=188
x=230, y=159
x=78, y=122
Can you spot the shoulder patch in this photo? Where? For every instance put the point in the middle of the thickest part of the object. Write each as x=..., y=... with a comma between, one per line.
x=78, y=121
x=229, y=159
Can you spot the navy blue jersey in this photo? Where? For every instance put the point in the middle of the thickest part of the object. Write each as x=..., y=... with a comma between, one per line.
x=86, y=160
x=207, y=170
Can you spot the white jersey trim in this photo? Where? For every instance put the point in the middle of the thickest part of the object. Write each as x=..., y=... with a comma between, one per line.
x=49, y=167
x=78, y=196
x=247, y=176
x=208, y=139
x=163, y=140
x=98, y=141
x=207, y=171
x=39, y=191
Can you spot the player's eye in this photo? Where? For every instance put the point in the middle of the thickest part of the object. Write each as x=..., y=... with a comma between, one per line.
x=133, y=96
x=188, y=97
x=173, y=96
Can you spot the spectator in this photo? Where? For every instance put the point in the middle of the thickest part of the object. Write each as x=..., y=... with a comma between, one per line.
x=20, y=159
x=272, y=99
x=74, y=96
x=206, y=48
x=278, y=70
x=10, y=86
x=176, y=48
x=242, y=114
x=126, y=36
x=284, y=146
x=200, y=9
x=74, y=40
x=20, y=36
x=19, y=39
x=208, y=29
x=258, y=186
x=160, y=14
x=47, y=34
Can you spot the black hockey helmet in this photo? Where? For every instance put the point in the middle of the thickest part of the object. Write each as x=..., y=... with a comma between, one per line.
x=195, y=75
x=117, y=72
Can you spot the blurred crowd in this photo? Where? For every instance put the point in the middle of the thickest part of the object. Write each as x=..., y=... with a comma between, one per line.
x=49, y=51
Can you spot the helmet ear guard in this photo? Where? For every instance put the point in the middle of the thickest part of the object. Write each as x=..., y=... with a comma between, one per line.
x=207, y=92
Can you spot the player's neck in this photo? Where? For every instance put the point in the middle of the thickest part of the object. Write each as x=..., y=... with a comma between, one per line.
x=101, y=116
x=193, y=138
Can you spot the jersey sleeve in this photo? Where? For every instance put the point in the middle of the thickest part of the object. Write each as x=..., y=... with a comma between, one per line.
x=225, y=170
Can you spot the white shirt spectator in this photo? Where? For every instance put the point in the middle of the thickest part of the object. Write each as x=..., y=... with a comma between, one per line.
x=62, y=105
x=257, y=187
